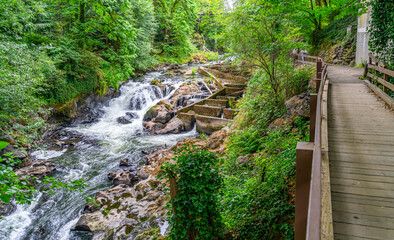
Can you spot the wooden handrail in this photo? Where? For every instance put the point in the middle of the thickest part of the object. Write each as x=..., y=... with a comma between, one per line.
x=378, y=77
x=309, y=166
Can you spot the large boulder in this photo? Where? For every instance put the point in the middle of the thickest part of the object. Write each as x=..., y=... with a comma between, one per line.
x=36, y=169
x=128, y=118
x=298, y=106
x=152, y=126
x=162, y=117
x=175, y=125
x=125, y=177
x=161, y=106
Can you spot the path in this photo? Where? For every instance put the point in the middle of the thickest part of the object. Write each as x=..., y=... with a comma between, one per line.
x=361, y=155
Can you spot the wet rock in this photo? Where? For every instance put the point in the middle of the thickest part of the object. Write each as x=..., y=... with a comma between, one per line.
x=161, y=106
x=159, y=84
x=298, y=106
x=36, y=169
x=152, y=126
x=175, y=125
x=124, y=162
x=7, y=209
x=124, y=120
x=83, y=109
x=162, y=117
x=126, y=177
x=142, y=175
x=132, y=115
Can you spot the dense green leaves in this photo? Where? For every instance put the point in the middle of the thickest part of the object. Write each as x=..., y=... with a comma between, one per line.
x=382, y=30
x=194, y=210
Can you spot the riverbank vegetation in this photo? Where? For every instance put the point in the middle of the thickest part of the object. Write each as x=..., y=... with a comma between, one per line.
x=52, y=51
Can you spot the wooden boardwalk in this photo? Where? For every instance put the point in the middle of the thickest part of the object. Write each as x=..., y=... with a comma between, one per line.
x=361, y=155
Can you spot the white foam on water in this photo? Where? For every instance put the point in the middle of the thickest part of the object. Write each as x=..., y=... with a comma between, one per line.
x=163, y=228
x=47, y=154
x=14, y=226
x=64, y=232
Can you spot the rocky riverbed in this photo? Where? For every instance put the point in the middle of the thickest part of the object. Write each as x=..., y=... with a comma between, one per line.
x=116, y=143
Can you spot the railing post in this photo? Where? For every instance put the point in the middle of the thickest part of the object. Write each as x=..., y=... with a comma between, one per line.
x=304, y=155
x=312, y=118
x=319, y=65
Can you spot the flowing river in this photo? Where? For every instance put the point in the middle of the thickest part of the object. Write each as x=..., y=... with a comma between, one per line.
x=54, y=216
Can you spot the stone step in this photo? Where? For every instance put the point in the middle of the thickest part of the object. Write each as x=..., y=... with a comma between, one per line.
x=228, y=113
x=214, y=103
x=208, y=110
x=233, y=85
x=226, y=97
x=208, y=125
x=231, y=90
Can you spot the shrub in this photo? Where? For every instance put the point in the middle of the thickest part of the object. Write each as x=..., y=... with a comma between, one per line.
x=194, y=213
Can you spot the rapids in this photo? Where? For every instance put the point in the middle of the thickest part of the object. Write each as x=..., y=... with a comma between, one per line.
x=54, y=216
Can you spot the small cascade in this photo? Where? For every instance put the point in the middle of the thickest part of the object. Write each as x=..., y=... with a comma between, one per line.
x=118, y=134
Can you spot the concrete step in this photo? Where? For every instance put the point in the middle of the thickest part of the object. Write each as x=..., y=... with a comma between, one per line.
x=234, y=85
x=208, y=110
x=214, y=103
x=231, y=90
x=228, y=113
x=226, y=97
x=208, y=125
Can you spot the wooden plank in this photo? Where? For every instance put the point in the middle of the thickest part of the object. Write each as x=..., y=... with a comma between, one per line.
x=361, y=159
x=368, y=200
x=369, y=210
x=359, y=131
x=372, y=166
x=362, y=171
x=382, y=70
x=364, y=220
x=362, y=183
x=381, y=81
x=347, y=237
x=360, y=231
x=360, y=176
x=362, y=191
x=381, y=94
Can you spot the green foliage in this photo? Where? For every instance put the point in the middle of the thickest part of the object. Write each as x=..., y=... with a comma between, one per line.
x=258, y=199
x=176, y=22
x=382, y=30
x=259, y=107
x=194, y=213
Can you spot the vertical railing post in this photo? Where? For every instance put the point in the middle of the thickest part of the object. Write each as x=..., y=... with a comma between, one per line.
x=312, y=118
x=304, y=155
x=319, y=65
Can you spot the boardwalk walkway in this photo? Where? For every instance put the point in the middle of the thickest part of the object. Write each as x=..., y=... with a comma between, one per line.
x=361, y=155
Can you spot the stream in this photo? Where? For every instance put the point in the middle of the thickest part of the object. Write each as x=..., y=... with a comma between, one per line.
x=104, y=143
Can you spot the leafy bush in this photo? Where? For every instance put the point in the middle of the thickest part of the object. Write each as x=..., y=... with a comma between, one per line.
x=382, y=31
x=194, y=212
x=258, y=200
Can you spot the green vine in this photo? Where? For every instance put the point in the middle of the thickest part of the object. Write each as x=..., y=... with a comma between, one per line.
x=382, y=30
x=194, y=195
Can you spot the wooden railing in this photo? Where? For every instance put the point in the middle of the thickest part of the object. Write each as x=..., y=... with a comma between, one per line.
x=379, y=75
x=308, y=213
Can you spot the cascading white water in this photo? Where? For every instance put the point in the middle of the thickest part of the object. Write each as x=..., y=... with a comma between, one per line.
x=53, y=216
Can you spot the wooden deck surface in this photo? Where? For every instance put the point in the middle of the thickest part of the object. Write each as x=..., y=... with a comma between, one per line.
x=361, y=155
